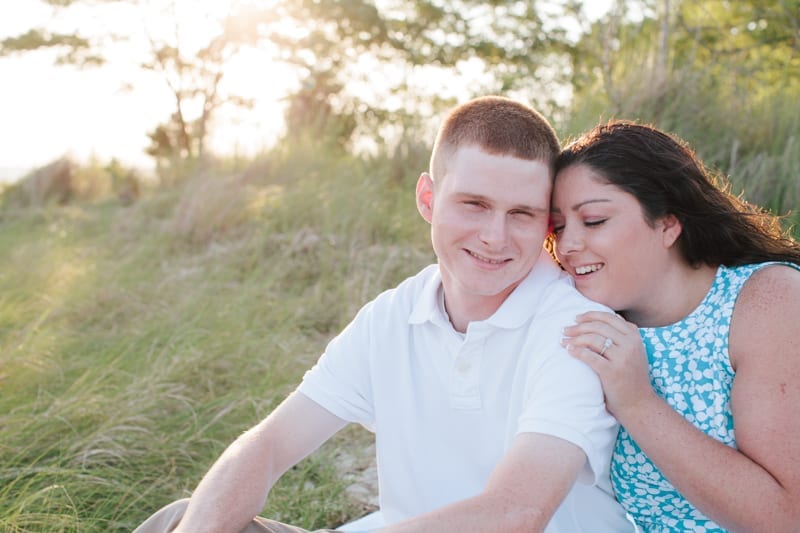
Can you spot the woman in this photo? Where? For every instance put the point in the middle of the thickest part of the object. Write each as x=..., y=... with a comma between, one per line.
x=702, y=363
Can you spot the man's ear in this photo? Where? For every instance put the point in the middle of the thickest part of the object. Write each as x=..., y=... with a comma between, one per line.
x=671, y=229
x=425, y=196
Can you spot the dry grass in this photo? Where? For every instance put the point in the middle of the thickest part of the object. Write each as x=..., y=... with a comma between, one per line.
x=137, y=342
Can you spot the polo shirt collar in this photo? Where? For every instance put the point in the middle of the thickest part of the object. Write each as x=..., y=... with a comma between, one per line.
x=428, y=306
x=524, y=301
x=518, y=308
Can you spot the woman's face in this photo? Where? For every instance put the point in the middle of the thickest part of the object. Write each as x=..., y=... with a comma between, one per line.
x=604, y=241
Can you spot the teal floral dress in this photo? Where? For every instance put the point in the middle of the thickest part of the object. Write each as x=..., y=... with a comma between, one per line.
x=689, y=368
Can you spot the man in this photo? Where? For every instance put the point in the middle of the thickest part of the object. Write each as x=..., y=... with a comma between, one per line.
x=482, y=421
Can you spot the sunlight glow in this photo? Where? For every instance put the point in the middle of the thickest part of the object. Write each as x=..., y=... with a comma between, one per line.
x=49, y=111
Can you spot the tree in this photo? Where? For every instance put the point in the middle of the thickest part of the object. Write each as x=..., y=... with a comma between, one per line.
x=364, y=65
x=758, y=41
x=192, y=75
x=511, y=48
x=73, y=47
x=747, y=46
x=193, y=78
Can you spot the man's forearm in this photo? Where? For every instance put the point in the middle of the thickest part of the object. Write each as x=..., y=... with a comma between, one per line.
x=234, y=490
x=522, y=492
x=480, y=514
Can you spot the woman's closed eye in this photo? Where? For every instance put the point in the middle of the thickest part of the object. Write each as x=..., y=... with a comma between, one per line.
x=595, y=222
x=559, y=228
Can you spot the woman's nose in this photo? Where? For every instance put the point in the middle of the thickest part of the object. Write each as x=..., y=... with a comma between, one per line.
x=568, y=241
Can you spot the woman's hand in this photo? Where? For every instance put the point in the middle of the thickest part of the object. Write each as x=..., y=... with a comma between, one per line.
x=613, y=348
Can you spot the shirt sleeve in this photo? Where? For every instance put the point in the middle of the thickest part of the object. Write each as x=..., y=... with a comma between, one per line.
x=340, y=380
x=564, y=398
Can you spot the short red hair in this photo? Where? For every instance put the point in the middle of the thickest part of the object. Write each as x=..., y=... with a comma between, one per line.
x=498, y=125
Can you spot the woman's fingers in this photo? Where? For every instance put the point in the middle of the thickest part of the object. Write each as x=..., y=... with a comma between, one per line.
x=594, y=331
x=605, y=334
x=613, y=348
x=598, y=343
x=594, y=360
x=611, y=319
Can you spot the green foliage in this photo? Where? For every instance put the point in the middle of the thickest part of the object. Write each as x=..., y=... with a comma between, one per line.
x=326, y=40
x=74, y=49
x=194, y=79
x=754, y=43
x=753, y=144
x=64, y=181
x=137, y=339
x=726, y=89
x=309, y=115
x=137, y=342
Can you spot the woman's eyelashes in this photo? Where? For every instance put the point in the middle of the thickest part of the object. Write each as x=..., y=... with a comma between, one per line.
x=558, y=227
x=594, y=222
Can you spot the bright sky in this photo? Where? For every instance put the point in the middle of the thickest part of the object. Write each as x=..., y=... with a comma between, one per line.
x=47, y=111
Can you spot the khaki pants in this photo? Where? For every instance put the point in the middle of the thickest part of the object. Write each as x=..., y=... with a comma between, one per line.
x=166, y=519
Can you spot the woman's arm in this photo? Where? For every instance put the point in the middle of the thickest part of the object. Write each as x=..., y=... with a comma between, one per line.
x=754, y=488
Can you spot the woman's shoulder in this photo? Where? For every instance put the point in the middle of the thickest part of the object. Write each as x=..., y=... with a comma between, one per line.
x=766, y=310
x=771, y=285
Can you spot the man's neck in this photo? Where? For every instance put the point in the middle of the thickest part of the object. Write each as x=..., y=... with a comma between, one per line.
x=462, y=310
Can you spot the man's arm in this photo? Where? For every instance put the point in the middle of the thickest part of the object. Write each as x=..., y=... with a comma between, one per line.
x=235, y=489
x=522, y=492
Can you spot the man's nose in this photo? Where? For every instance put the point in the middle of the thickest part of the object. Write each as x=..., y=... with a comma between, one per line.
x=494, y=230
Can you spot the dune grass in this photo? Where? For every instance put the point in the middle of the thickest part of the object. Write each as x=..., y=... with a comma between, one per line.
x=136, y=342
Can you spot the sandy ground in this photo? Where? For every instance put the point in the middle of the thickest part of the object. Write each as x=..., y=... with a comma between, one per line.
x=360, y=469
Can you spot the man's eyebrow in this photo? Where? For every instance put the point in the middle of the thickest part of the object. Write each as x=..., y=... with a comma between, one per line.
x=517, y=207
x=531, y=208
x=577, y=206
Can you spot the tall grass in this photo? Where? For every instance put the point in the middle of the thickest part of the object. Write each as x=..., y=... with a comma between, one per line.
x=137, y=342
x=749, y=140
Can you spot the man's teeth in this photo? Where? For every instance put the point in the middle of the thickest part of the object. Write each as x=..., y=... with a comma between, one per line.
x=486, y=259
x=588, y=268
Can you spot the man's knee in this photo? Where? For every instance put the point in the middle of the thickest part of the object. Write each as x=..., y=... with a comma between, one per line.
x=165, y=519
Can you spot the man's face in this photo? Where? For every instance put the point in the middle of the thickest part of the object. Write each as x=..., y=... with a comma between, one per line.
x=489, y=218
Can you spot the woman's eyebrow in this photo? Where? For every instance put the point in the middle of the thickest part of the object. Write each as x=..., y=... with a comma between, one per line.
x=577, y=206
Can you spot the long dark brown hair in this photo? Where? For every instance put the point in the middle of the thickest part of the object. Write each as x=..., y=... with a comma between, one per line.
x=667, y=178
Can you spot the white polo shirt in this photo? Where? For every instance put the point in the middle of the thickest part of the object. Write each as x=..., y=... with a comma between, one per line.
x=445, y=406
